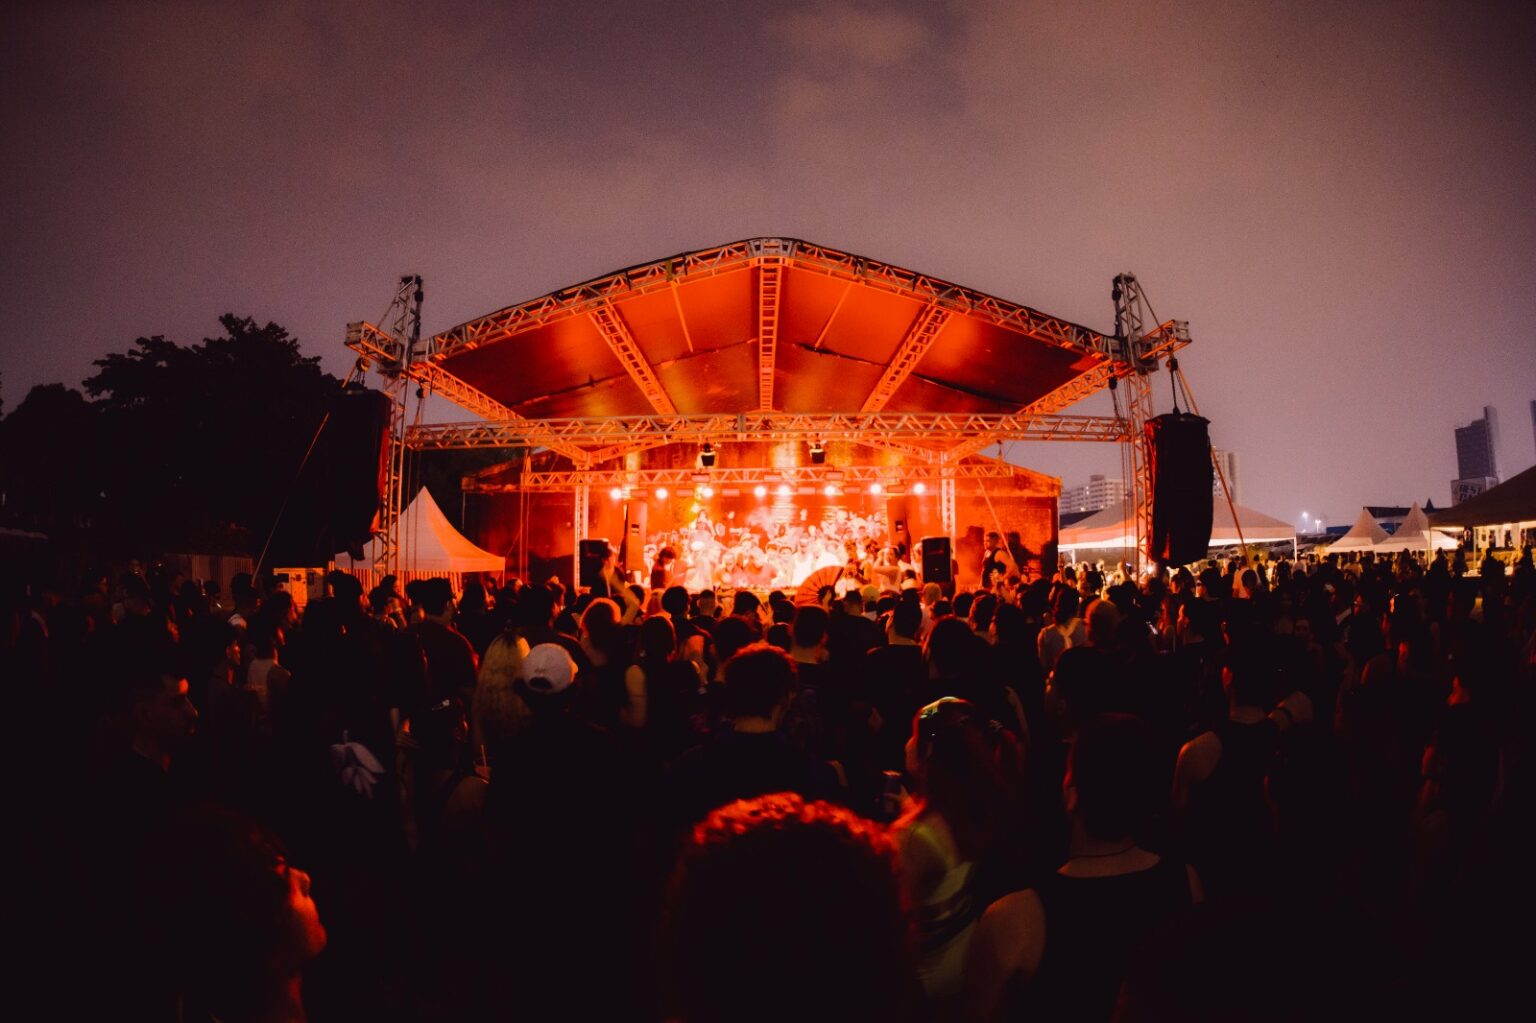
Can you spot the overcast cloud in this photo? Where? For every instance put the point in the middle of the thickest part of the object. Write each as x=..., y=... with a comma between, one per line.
x=1337, y=197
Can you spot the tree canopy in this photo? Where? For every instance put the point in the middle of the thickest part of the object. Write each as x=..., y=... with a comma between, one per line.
x=192, y=444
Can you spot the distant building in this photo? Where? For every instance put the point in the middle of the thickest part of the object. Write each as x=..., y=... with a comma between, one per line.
x=1533, y=420
x=1227, y=461
x=1477, y=466
x=1096, y=494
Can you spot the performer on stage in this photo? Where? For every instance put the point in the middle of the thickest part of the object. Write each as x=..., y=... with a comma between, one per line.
x=997, y=562
x=661, y=570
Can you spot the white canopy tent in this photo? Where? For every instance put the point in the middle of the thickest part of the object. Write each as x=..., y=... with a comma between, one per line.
x=1365, y=535
x=429, y=547
x=1112, y=528
x=1415, y=535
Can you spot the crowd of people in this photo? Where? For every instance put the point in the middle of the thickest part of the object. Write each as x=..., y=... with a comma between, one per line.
x=1280, y=791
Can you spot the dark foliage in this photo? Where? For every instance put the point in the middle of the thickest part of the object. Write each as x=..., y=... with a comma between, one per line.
x=191, y=444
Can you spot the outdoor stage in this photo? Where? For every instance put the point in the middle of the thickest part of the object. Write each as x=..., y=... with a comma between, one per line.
x=766, y=520
x=750, y=392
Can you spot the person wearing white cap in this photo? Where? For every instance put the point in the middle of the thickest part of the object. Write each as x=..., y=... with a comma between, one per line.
x=547, y=671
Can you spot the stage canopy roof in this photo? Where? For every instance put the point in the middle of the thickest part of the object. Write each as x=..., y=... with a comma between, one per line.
x=766, y=323
x=767, y=338
x=1112, y=528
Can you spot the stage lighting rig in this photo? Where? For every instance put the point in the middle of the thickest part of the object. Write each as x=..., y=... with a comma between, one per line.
x=707, y=455
x=818, y=453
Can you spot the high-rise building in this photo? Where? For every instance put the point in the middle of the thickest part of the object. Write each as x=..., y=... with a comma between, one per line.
x=1096, y=494
x=1227, y=461
x=1477, y=466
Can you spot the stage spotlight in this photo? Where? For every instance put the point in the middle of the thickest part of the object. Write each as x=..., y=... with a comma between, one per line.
x=829, y=490
x=661, y=493
x=707, y=491
x=919, y=487
x=784, y=490
x=875, y=488
x=616, y=494
x=760, y=490
x=707, y=455
x=818, y=453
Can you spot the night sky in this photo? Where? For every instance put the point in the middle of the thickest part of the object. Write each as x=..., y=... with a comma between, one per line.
x=1339, y=198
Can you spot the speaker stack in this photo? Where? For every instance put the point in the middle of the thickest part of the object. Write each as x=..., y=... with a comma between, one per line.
x=938, y=561
x=1179, y=461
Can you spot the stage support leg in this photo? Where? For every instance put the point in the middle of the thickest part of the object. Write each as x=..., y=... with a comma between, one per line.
x=1139, y=409
x=579, y=500
x=947, y=506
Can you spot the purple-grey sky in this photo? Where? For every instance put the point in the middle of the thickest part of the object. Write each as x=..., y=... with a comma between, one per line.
x=1339, y=198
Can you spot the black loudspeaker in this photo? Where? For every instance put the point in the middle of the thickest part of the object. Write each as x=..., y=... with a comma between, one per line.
x=938, y=563
x=359, y=435
x=1179, y=463
x=593, y=554
x=335, y=501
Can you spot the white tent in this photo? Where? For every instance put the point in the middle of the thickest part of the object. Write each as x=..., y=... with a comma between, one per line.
x=1112, y=528
x=1415, y=535
x=429, y=546
x=1365, y=535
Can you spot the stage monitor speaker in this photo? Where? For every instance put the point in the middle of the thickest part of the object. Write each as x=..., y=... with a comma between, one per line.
x=938, y=562
x=1179, y=464
x=593, y=554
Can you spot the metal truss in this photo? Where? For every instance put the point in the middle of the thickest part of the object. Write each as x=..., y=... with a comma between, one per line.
x=600, y=455
x=947, y=505
x=391, y=353
x=1139, y=351
x=621, y=434
x=1138, y=410
x=769, y=280
x=889, y=476
x=581, y=503
x=908, y=354
x=379, y=347
x=1157, y=345
x=582, y=299
x=617, y=334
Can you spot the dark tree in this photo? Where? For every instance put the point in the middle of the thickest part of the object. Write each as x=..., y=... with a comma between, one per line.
x=203, y=441
x=49, y=462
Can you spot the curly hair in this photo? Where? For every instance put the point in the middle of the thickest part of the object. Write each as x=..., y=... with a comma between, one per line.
x=783, y=908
